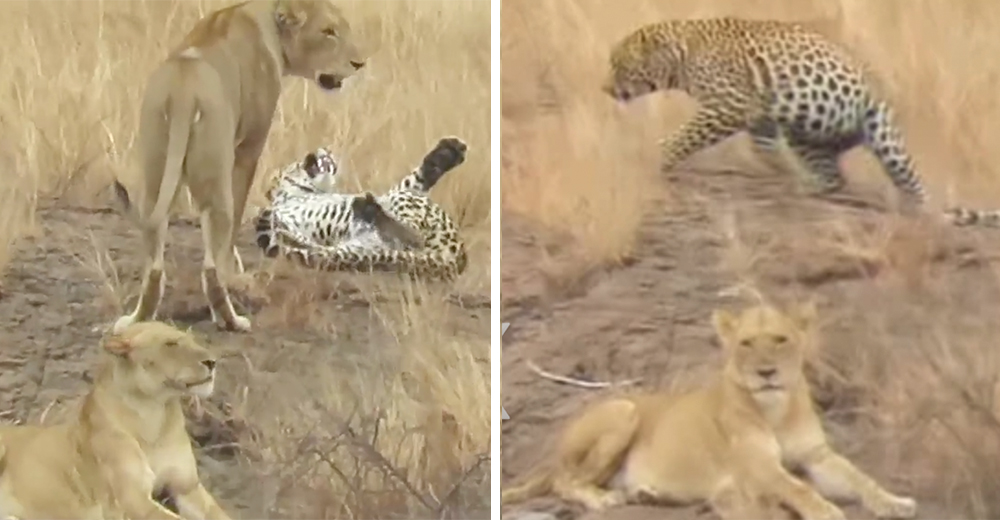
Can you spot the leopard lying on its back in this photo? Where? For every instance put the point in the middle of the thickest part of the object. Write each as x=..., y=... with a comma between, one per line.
x=311, y=223
x=780, y=82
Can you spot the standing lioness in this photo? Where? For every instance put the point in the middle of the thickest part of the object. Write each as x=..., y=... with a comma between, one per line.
x=204, y=120
x=733, y=443
x=127, y=442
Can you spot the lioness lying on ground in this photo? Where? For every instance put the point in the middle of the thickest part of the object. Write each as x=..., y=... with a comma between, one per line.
x=730, y=444
x=127, y=442
x=204, y=119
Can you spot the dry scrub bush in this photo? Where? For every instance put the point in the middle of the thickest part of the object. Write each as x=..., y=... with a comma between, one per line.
x=410, y=438
x=925, y=411
x=75, y=73
x=573, y=162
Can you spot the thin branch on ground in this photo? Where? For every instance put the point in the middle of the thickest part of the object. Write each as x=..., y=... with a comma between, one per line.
x=566, y=380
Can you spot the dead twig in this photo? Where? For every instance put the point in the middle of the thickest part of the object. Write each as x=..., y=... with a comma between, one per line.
x=45, y=412
x=566, y=380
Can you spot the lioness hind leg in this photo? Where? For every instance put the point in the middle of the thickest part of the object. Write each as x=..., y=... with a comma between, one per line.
x=835, y=476
x=210, y=168
x=591, y=452
x=153, y=281
x=216, y=228
x=237, y=260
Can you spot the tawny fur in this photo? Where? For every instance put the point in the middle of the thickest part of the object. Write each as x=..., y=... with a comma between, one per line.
x=127, y=441
x=203, y=123
x=731, y=444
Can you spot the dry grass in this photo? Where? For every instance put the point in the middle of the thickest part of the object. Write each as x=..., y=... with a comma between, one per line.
x=408, y=427
x=576, y=163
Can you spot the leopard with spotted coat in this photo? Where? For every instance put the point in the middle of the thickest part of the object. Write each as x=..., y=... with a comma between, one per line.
x=308, y=221
x=780, y=82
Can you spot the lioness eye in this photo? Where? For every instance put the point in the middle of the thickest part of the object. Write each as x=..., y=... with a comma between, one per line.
x=330, y=32
x=171, y=343
x=780, y=339
x=745, y=343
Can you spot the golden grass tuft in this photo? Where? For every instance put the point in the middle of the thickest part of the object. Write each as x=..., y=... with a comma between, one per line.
x=399, y=424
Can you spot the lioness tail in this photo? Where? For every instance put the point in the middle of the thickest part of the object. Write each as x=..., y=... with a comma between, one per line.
x=183, y=113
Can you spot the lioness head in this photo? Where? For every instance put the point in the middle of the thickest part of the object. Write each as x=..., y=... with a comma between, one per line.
x=317, y=42
x=765, y=346
x=156, y=359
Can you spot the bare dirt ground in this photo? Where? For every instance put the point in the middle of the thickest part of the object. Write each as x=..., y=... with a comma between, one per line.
x=610, y=270
x=58, y=304
x=354, y=396
x=650, y=320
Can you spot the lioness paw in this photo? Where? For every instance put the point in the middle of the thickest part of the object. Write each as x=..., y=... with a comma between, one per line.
x=605, y=500
x=896, y=507
x=827, y=512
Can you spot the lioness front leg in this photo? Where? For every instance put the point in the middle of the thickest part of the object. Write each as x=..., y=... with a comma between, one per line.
x=835, y=476
x=768, y=476
x=244, y=170
x=124, y=467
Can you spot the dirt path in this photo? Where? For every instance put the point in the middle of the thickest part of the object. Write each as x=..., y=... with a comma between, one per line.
x=56, y=303
x=877, y=282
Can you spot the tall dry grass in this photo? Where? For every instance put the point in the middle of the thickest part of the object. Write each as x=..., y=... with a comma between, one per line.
x=408, y=426
x=575, y=162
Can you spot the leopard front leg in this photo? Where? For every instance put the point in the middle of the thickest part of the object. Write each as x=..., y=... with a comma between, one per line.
x=711, y=125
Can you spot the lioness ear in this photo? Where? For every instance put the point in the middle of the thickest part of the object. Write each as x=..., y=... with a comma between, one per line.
x=286, y=15
x=804, y=314
x=118, y=345
x=724, y=323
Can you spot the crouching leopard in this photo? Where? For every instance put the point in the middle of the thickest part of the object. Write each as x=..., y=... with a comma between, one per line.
x=784, y=85
x=308, y=221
